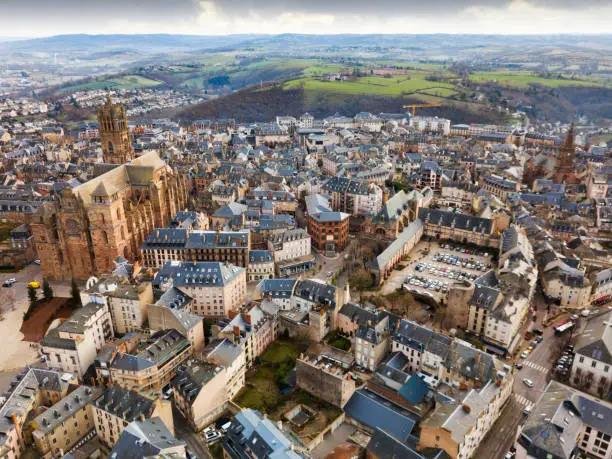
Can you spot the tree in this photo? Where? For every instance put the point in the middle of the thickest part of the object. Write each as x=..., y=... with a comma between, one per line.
x=47, y=290
x=75, y=293
x=361, y=280
x=32, y=295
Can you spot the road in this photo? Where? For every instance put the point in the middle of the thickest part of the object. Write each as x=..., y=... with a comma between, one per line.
x=536, y=367
x=183, y=431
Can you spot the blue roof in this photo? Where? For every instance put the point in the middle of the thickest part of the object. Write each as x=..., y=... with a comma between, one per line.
x=376, y=412
x=414, y=390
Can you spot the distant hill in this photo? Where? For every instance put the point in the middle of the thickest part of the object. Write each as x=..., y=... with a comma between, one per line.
x=142, y=43
x=264, y=104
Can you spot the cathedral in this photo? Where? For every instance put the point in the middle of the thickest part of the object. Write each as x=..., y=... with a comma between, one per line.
x=114, y=133
x=564, y=170
x=84, y=229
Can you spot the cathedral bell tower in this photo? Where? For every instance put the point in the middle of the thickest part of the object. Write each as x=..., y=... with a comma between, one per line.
x=564, y=170
x=114, y=133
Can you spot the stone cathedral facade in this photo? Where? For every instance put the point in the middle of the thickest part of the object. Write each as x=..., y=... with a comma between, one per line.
x=84, y=229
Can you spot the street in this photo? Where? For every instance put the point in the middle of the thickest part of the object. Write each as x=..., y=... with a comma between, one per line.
x=536, y=367
x=183, y=431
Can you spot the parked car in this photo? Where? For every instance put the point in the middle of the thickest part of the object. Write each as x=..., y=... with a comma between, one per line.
x=36, y=262
x=524, y=354
x=519, y=366
x=528, y=382
x=34, y=284
x=9, y=282
x=537, y=331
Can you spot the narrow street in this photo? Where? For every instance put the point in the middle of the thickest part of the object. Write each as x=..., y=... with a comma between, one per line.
x=536, y=367
x=183, y=431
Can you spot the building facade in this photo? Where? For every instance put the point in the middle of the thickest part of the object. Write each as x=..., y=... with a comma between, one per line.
x=84, y=229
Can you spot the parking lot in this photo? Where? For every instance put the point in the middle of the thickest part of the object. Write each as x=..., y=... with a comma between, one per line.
x=444, y=264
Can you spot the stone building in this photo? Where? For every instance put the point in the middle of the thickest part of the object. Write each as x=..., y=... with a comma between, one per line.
x=85, y=228
x=114, y=133
x=324, y=379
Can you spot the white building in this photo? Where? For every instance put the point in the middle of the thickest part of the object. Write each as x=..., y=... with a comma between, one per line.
x=72, y=346
x=430, y=124
x=290, y=245
x=592, y=365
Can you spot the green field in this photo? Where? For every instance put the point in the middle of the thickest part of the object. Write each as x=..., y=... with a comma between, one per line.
x=522, y=80
x=376, y=85
x=122, y=82
x=133, y=82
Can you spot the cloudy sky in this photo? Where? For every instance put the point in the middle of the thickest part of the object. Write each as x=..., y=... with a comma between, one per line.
x=30, y=18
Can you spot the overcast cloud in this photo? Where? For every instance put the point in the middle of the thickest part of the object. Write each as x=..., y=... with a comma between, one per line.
x=51, y=17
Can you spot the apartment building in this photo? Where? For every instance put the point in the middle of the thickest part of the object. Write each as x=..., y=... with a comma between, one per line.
x=499, y=186
x=261, y=265
x=254, y=329
x=231, y=356
x=199, y=392
x=355, y=197
x=458, y=227
x=116, y=407
x=173, y=311
x=592, y=365
x=566, y=423
x=371, y=345
x=31, y=389
x=63, y=425
x=311, y=294
x=292, y=252
x=459, y=428
x=278, y=291
x=151, y=436
x=430, y=124
x=149, y=371
x=250, y=433
x=215, y=288
x=127, y=302
x=180, y=244
x=73, y=345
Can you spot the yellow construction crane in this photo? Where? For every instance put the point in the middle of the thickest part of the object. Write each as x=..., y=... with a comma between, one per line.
x=413, y=107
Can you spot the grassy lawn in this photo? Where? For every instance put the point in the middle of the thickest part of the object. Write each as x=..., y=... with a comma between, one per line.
x=263, y=387
x=338, y=341
x=524, y=79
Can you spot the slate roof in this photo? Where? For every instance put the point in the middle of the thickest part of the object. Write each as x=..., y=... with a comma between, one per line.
x=458, y=221
x=553, y=425
x=201, y=273
x=375, y=412
x=276, y=288
x=595, y=342
x=251, y=436
x=125, y=404
x=415, y=390
x=383, y=445
x=398, y=243
x=192, y=376
x=260, y=256
x=148, y=438
x=314, y=291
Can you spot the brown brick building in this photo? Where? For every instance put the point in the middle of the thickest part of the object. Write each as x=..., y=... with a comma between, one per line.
x=85, y=228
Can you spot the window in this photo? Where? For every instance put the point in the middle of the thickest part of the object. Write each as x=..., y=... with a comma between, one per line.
x=581, y=359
